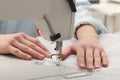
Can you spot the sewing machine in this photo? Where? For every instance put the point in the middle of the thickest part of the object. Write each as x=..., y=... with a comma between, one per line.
x=55, y=18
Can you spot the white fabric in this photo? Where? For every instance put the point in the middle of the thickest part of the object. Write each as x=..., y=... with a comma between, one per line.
x=17, y=69
x=111, y=44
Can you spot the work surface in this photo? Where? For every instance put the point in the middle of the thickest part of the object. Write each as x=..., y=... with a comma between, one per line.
x=12, y=68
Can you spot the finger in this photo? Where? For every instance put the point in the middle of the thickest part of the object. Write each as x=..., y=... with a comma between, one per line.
x=66, y=52
x=19, y=53
x=35, y=41
x=97, y=58
x=34, y=47
x=89, y=58
x=81, y=57
x=28, y=50
x=105, y=62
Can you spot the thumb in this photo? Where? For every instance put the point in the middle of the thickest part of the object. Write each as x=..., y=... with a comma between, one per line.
x=66, y=52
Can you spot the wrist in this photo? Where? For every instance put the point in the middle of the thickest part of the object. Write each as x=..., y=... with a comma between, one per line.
x=84, y=28
x=87, y=32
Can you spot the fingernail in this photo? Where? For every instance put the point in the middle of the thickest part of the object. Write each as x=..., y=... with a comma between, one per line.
x=41, y=57
x=47, y=55
x=90, y=68
x=28, y=57
x=47, y=50
x=82, y=66
x=97, y=67
x=105, y=65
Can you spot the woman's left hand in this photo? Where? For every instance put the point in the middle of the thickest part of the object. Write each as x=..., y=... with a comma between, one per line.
x=90, y=55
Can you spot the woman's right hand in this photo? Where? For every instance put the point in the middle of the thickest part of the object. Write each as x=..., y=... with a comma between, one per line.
x=23, y=46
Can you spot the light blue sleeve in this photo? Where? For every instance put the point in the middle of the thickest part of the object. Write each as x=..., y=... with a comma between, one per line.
x=27, y=26
x=83, y=15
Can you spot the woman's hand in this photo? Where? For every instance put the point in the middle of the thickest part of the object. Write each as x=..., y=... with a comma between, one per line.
x=23, y=46
x=89, y=54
